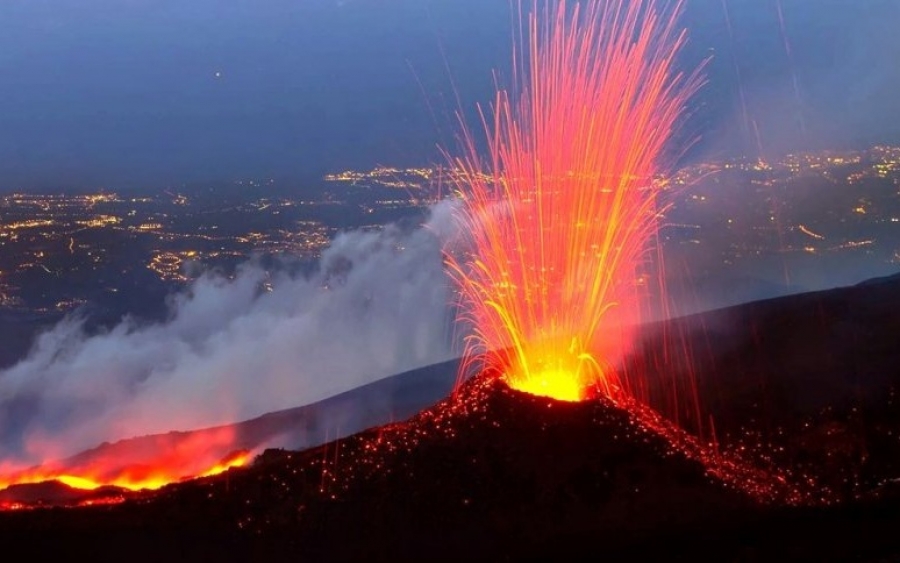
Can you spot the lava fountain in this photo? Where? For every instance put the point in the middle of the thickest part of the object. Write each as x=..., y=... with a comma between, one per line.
x=563, y=211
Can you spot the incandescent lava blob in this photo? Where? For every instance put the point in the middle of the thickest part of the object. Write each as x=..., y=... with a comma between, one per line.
x=563, y=211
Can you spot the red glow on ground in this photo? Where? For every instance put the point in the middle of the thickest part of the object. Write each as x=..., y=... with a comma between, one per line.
x=563, y=212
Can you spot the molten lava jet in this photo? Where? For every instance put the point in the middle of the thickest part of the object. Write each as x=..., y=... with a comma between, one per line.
x=563, y=212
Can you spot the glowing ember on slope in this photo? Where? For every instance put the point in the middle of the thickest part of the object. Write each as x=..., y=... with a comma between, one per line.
x=563, y=213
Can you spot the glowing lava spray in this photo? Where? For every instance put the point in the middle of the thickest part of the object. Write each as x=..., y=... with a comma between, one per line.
x=563, y=210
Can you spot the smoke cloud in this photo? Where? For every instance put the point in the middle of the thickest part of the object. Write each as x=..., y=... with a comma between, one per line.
x=233, y=349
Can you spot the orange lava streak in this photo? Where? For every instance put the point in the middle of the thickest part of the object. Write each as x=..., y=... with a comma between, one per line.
x=150, y=462
x=130, y=478
x=562, y=215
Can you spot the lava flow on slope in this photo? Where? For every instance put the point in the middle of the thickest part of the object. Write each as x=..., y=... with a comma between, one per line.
x=149, y=462
x=109, y=472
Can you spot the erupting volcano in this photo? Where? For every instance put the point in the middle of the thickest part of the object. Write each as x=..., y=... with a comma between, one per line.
x=563, y=214
x=561, y=433
x=562, y=217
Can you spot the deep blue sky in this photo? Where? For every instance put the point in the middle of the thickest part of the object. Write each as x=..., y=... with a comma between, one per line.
x=125, y=93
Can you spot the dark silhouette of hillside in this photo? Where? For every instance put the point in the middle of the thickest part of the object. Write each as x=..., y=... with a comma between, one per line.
x=807, y=384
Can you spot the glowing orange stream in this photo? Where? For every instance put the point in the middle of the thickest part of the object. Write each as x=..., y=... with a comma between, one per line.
x=563, y=210
x=133, y=479
x=150, y=462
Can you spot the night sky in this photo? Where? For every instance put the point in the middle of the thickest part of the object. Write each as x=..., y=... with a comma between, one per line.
x=144, y=93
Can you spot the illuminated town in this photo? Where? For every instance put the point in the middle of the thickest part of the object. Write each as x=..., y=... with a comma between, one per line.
x=727, y=220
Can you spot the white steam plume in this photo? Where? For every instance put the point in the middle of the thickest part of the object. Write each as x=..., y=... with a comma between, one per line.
x=378, y=305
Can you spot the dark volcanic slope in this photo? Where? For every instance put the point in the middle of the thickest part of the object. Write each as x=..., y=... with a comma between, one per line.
x=815, y=378
x=393, y=398
x=491, y=473
x=496, y=474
